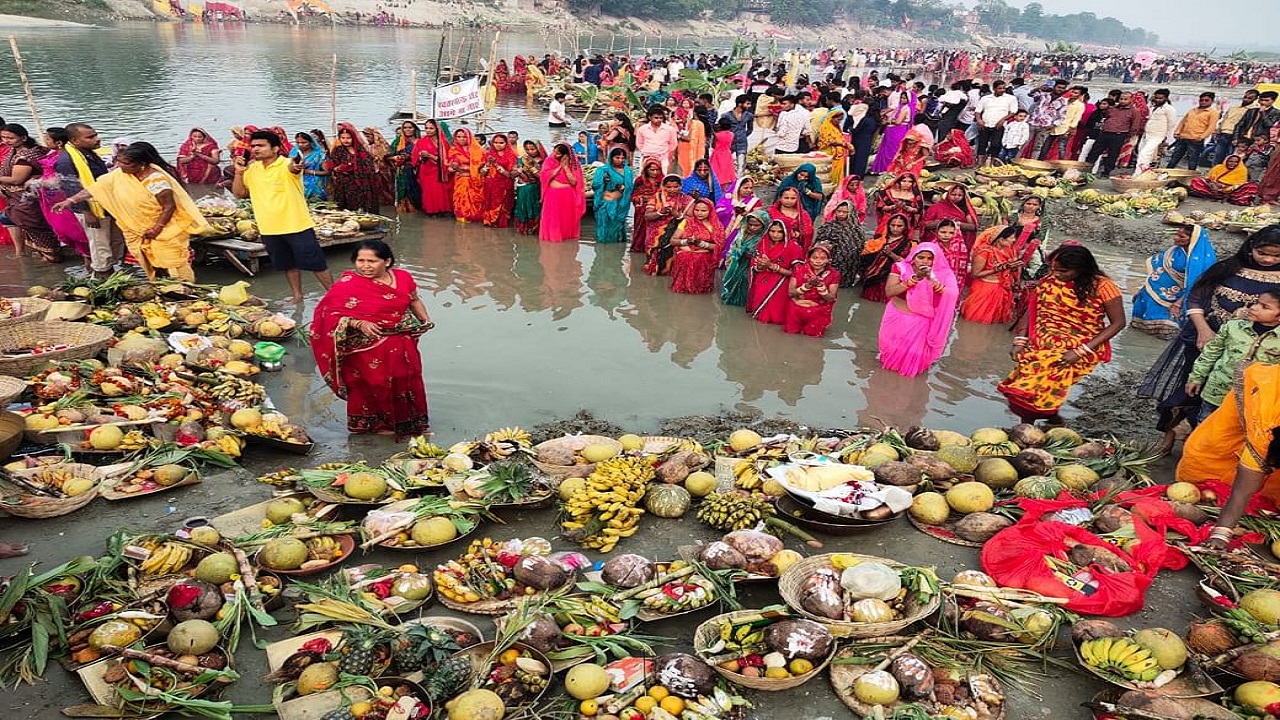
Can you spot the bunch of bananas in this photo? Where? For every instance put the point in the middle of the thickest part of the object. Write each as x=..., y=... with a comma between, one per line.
x=155, y=315
x=323, y=548
x=232, y=389
x=748, y=472
x=284, y=477
x=584, y=610
x=420, y=447
x=53, y=477
x=1122, y=656
x=606, y=508
x=497, y=445
x=229, y=445
x=166, y=559
x=734, y=510
x=134, y=440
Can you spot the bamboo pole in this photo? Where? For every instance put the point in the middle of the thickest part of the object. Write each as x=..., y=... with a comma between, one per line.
x=413, y=95
x=26, y=87
x=488, y=82
x=333, y=96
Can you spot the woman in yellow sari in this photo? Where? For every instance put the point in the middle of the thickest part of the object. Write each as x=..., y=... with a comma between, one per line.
x=1227, y=181
x=832, y=141
x=152, y=209
x=536, y=79
x=465, y=158
x=1239, y=443
x=1074, y=312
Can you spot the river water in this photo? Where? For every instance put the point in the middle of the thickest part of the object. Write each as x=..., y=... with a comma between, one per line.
x=526, y=331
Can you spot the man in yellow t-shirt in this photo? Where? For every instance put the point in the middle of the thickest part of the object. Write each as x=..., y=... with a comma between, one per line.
x=273, y=183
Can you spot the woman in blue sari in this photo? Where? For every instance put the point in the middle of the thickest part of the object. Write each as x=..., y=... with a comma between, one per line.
x=586, y=149
x=315, y=176
x=702, y=183
x=613, y=184
x=742, y=251
x=806, y=181
x=1158, y=305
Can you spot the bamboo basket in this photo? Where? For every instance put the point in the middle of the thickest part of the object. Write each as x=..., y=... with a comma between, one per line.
x=571, y=441
x=1080, y=165
x=30, y=309
x=708, y=632
x=11, y=433
x=1031, y=164
x=844, y=676
x=39, y=507
x=85, y=341
x=791, y=582
x=11, y=388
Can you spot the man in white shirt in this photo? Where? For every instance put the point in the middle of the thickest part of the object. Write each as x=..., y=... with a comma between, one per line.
x=990, y=114
x=1022, y=93
x=557, y=114
x=1158, y=133
x=793, y=123
x=971, y=104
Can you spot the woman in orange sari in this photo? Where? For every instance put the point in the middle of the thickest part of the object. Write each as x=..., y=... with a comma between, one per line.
x=902, y=196
x=499, y=171
x=1073, y=312
x=430, y=155
x=994, y=275
x=1239, y=443
x=913, y=153
x=887, y=247
x=465, y=159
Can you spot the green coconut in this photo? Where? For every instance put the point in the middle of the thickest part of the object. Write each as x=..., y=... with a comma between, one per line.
x=1076, y=477
x=1063, y=436
x=217, y=568
x=996, y=472
x=283, y=554
x=960, y=457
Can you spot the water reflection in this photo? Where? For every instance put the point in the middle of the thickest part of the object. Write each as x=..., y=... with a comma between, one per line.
x=761, y=358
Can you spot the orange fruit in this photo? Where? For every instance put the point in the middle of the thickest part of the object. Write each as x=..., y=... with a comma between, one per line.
x=800, y=666
x=659, y=693
x=589, y=707
x=509, y=656
x=360, y=709
x=672, y=704
x=777, y=673
x=644, y=704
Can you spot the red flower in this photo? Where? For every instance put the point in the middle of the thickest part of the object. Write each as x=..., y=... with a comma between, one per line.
x=1224, y=601
x=319, y=645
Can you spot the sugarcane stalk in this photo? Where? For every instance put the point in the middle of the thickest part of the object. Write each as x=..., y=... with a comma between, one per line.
x=396, y=529
x=1235, y=652
x=152, y=658
x=790, y=529
x=250, y=579
x=889, y=658
x=621, y=701
x=1009, y=594
x=654, y=583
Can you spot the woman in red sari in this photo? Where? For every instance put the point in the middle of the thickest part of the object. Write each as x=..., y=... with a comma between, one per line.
x=1076, y=145
x=786, y=209
x=698, y=241
x=430, y=155
x=648, y=184
x=465, y=158
x=663, y=214
x=953, y=206
x=198, y=159
x=564, y=196
x=914, y=152
x=353, y=178
x=365, y=339
x=813, y=293
x=775, y=261
x=900, y=197
x=499, y=171
x=994, y=277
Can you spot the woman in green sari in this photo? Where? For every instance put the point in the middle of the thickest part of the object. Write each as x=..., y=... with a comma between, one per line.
x=408, y=192
x=733, y=289
x=528, y=208
x=613, y=184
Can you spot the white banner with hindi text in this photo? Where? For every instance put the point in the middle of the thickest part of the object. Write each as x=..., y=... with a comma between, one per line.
x=457, y=99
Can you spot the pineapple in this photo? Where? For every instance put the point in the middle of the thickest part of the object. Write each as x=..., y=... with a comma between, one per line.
x=508, y=482
x=360, y=644
x=422, y=646
x=448, y=679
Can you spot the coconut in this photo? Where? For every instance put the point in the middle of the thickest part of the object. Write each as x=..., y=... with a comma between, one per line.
x=1111, y=518
x=970, y=497
x=1164, y=645
x=962, y=458
x=1257, y=665
x=1076, y=477
x=914, y=675
x=896, y=472
x=799, y=639
x=987, y=621
x=930, y=508
x=920, y=438
x=193, y=637
x=1089, y=450
x=973, y=578
x=1187, y=511
x=283, y=554
x=1263, y=605
x=540, y=573
x=989, y=436
x=722, y=556
x=997, y=473
x=281, y=510
x=877, y=687
x=1210, y=637
x=981, y=526
x=684, y=675
x=1032, y=461
x=1085, y=630
x=217, y=568
x=194, y=600
x=631, y=570
x=364, y=486
x=932, y=467
x=1025, y=435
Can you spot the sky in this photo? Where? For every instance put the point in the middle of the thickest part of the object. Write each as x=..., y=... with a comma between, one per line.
x=1228, y=24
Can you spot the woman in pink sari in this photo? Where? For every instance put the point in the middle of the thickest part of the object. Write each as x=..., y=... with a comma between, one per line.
x=563, y=196
x=198, y=159
x=897, y=123
x=923, y=295
x=852, y=192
